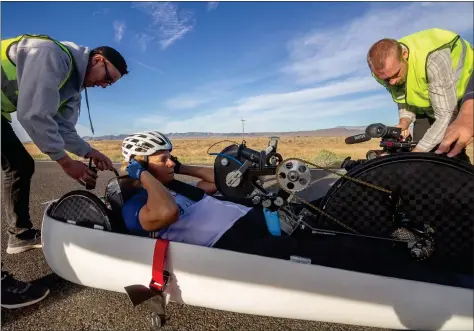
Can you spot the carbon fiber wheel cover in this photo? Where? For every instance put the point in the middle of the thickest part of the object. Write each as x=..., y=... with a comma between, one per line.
x=83, y=208
x=435, y=190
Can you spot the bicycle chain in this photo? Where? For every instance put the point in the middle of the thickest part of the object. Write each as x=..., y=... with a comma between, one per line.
x=334, y=172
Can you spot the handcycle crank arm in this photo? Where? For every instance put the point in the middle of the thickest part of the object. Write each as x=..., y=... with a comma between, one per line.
x=232, y=180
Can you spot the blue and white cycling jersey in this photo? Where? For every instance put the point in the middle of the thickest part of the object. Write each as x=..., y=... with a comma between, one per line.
x=200, y=223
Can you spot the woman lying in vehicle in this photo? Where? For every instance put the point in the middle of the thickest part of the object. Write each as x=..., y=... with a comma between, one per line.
x=158, y=212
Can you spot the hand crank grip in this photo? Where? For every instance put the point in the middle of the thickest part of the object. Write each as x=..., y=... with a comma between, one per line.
x=94, y=169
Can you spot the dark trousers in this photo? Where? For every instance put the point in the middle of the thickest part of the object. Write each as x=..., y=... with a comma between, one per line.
x=18, y=168
x=422, y=124
x=249, y=235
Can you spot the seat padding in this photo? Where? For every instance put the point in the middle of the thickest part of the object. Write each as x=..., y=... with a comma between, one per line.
x=117, y=192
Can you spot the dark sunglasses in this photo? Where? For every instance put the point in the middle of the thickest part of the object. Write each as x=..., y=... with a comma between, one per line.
x=108, y=78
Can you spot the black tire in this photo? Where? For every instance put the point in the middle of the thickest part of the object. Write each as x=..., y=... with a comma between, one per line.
x=83, y=208
x=436, y=190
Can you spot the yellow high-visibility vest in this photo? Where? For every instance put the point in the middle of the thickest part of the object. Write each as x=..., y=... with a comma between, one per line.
x=420, y=45
x=10, y=90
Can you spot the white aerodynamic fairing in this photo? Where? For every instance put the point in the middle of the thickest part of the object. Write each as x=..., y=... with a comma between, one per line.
x=251, y=284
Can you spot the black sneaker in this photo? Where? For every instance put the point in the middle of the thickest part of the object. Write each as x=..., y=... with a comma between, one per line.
x=17, y=294
x=24, y=241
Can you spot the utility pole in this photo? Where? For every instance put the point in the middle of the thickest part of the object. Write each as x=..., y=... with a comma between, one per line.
x=242, y=128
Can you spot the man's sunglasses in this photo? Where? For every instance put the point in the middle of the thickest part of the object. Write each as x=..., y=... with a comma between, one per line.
x=108, y=78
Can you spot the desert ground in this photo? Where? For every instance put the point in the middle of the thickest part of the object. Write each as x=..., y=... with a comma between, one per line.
x=324, y=151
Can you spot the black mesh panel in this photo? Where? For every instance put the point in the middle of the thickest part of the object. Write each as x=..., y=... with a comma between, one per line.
x=83, y=208
x=435, y=190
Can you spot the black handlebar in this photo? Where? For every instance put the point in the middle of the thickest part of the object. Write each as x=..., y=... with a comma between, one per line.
x=94, y=169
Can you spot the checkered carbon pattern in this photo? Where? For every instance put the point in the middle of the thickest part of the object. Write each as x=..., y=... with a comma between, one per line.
x=83, y=209
x=435, y=193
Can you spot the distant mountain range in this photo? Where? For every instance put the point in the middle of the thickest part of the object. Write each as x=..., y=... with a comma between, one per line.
x=340, y=131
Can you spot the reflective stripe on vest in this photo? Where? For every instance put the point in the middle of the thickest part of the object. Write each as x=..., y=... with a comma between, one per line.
x=9, y=76
x=420, y=46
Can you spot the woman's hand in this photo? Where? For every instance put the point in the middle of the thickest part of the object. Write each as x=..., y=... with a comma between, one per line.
x=177, y=167
x=135, y=169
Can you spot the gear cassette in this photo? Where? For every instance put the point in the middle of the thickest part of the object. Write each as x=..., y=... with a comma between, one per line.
x=293, y=174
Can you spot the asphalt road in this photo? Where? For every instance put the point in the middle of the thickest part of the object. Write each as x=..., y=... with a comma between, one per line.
x=74, y=307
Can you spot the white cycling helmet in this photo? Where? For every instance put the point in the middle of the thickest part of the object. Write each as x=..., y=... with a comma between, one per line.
x=145, y=143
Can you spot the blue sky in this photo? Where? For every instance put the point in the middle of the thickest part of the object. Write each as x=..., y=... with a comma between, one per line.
x=201, y=66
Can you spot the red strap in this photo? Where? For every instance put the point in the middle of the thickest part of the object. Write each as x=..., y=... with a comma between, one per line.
x=158, y=267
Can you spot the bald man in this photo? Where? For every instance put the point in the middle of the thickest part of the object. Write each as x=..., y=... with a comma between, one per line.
x=426, y=74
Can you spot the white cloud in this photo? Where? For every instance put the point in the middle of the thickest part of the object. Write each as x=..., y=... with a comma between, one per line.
x=338, y=51
x=143, y=40
x=119, y=29
x=187, y=101
x=305, y=96
x=285, y=111
x=149, y=67
x=216, y=90
x=288, y=117
x=167, y=23
x=211, y=5
x=331, y=62
x=103, y=11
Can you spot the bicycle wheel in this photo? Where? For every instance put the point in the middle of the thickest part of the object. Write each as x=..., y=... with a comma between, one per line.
x=435, y=190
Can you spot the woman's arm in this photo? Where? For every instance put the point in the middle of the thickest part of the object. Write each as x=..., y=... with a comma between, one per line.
x=160, y=209
x=206, y=174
